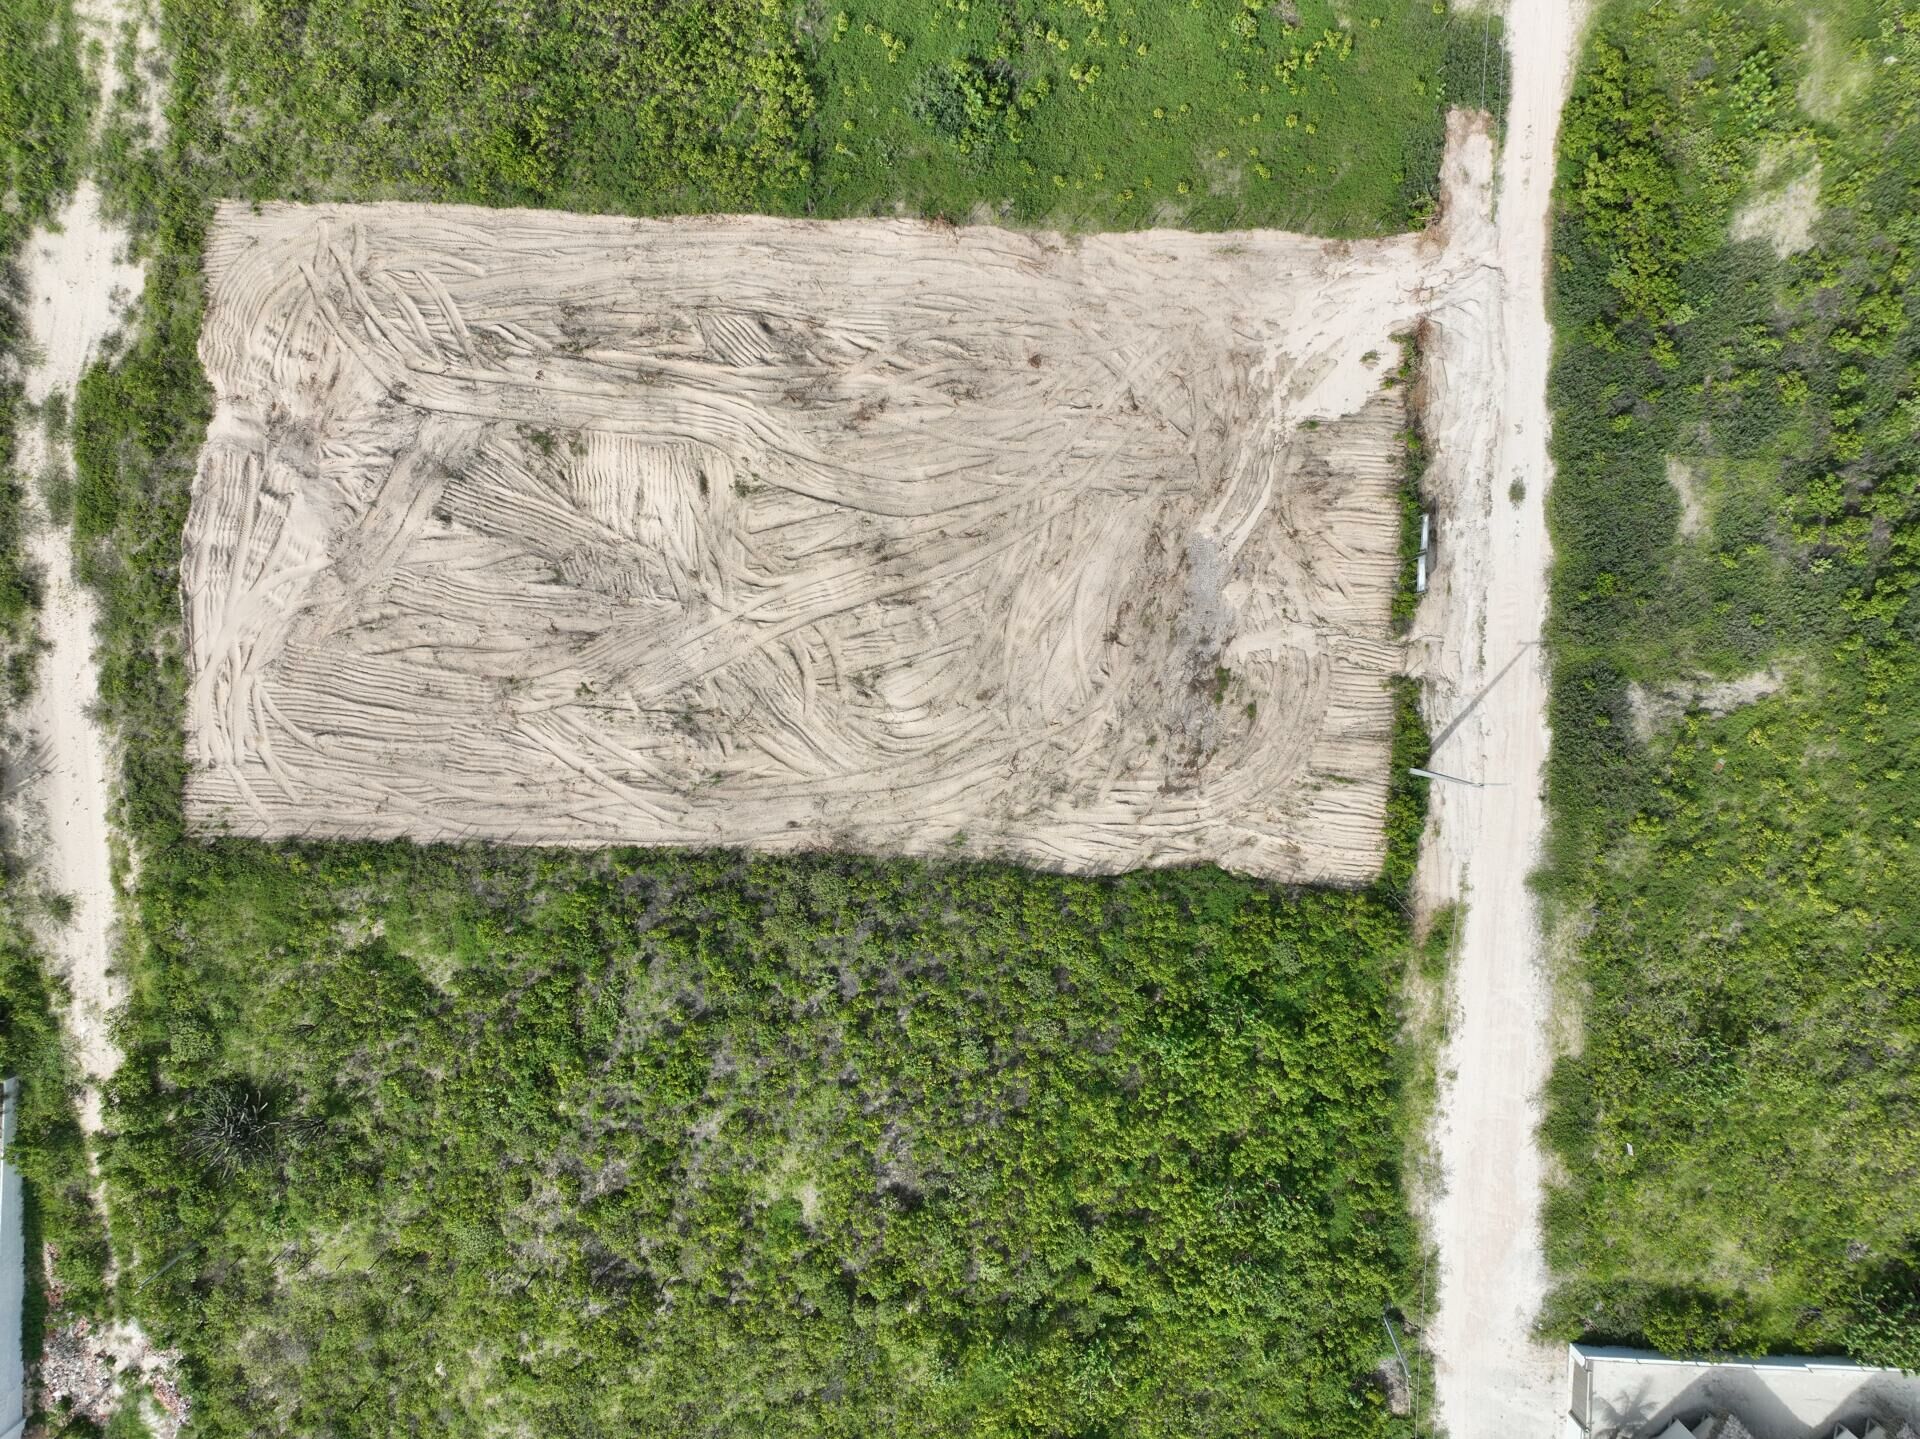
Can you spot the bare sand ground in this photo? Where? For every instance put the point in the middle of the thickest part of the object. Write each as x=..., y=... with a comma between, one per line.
x=1477, y=639
x=76, y=288
x=880, y=535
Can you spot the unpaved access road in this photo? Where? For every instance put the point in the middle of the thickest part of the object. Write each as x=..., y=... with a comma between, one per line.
x=76, y=287
x=1478, y=644
x=880, y=535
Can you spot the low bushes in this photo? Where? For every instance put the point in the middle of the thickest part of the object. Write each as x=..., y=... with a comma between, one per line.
x=1737, y=880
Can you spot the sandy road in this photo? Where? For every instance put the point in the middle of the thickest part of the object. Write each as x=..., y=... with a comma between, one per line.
x=1488, y=712
x=76, y=286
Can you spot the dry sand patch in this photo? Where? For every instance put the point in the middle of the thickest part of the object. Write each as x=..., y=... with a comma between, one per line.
x=1784, y=217
x=565, y=529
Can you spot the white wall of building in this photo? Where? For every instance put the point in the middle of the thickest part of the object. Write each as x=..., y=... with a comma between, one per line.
x=1626, y=1394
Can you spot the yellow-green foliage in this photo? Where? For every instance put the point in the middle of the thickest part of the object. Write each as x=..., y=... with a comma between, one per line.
x=1124, y=113
x=658, y=1143
x=1742, y=1128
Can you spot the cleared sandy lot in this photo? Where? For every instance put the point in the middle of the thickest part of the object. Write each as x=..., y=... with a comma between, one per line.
x=564, y=529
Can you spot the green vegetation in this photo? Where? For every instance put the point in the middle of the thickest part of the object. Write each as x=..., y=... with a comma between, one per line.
x=44, y=105
x=1413, y=474
x=1113, y=114
x=1087, y=114
x=48, y=1147
x=1742, y=889
x=699, y=1143
x=43, y=116
x=19, y=584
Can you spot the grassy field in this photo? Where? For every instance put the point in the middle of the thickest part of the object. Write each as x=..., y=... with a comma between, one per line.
x=1113, y=114
x=690, y=1142
x=1741, y=885
x=1084, y=114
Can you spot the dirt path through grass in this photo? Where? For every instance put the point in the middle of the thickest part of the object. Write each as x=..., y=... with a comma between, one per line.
x=1479, y=631
x=77, y=286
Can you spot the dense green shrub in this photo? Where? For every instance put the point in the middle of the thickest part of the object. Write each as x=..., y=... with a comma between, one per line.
x=602, y=104
x=1739, y=1129
x=48, y=1148
x=43, y=116
x=692, y=1142
x=968, y=101
x=44, y=104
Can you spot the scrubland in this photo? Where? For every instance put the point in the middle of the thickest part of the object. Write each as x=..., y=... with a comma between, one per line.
x=45, y=102
x=1735, y=518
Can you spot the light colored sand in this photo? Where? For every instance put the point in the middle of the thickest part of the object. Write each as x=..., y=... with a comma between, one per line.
x=1783, y=217
x=1488, y=412
x=1686, y=484
x=76, y=286
x=1653, y=709
x=94, y=1370
x=1834, y=74
x=893, y=537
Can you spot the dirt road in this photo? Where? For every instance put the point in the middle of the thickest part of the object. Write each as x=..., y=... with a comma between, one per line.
x=1479, y=636
x=76, y=287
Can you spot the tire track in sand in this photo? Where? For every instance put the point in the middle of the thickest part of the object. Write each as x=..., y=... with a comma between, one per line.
x=740, y=531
